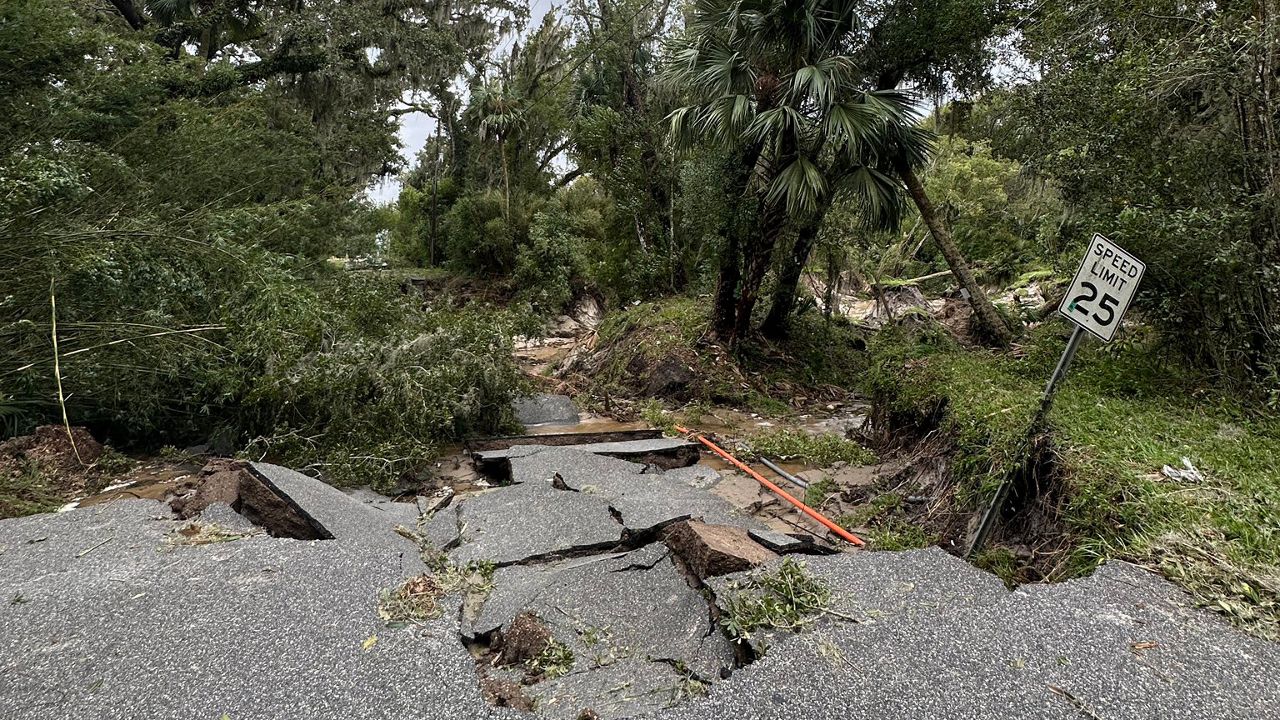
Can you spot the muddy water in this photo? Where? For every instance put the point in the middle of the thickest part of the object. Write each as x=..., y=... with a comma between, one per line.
x=587, y=424
x=151, y=481
x=539, y=359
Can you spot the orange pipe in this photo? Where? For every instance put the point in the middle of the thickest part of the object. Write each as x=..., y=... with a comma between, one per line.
x=844, y=534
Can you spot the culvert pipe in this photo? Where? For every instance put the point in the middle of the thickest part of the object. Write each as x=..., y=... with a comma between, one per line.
x=784, y=474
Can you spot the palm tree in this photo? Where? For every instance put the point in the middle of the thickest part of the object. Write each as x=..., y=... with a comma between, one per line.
x=502, y=115
x=771, y=80
x=777, y=82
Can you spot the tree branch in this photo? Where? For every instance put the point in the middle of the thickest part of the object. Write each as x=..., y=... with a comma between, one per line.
x=551, y=155
x=569, y=177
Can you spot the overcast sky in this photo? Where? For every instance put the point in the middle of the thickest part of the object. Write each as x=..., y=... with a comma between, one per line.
x=416, y=128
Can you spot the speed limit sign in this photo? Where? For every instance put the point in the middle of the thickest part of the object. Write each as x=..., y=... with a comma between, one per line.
x=1103, y=288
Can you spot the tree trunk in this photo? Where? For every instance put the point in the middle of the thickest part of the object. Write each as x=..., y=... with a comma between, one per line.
x=833, y=282
x=435, y=196
x=784, y=293
x=758, y=256
x=725, y=310
x=737, y=231
x=984, y=312
x=130, y=13
x=506, y=182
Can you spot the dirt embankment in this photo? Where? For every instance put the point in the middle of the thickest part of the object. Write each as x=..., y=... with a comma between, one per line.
x=51, y=466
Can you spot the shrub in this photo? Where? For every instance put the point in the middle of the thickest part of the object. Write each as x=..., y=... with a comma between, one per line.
x=480, y=237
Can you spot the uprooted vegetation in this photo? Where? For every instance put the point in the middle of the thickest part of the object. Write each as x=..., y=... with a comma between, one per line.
x=666, y=350
x=1141, y=461
x=785, y=597
x=334, y=373
x=41, y=471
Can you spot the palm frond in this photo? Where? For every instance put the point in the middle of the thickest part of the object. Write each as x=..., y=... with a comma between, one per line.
x=800, y=185
x=879, y=197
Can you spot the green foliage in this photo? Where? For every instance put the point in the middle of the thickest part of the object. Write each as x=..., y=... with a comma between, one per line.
x=1156, y=127
x=822, y=449
x=174, y=209
x=1121, y=416
x=554, y=266
x=1003, y=221
x=886, y=524
x=785, y=597
x=480, y=237
x=382, y=407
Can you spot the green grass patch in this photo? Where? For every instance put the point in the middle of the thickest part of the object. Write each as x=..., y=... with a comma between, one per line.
x=1121, y=416
x=673, y=337
x=886, y=524
x=823, y=450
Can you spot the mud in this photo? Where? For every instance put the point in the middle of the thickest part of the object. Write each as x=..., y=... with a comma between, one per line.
x=234, y=483
x=155, y=480
x=65, y=465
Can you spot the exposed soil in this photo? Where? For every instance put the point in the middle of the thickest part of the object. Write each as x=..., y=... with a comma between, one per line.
x=233, y=482
x=51, y=466
x=64, y=466
x=505, y=693
x=524, y=640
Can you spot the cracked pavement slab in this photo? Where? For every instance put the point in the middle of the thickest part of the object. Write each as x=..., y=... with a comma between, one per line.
x=103, y=615
x=634, y=607
x=626, y=688
x=103, y=618
x=542, y=463
x=937, y=639
x=646, y=500
x=532, y=520
x=674, y=448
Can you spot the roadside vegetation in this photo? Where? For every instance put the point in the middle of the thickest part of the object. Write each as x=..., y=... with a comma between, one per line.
x=1127, y=413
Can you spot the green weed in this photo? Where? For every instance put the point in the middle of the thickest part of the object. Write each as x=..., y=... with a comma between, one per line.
x=554, y=661
x=823, y=450
x=786, y=597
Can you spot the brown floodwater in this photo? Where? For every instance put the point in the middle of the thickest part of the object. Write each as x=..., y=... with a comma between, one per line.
x=150, y=481
x=587, y=424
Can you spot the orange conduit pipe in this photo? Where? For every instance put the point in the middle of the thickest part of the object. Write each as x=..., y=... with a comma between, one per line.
x=844, y=534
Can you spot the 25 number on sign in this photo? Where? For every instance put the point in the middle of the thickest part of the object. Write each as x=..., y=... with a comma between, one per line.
x=1107, y=303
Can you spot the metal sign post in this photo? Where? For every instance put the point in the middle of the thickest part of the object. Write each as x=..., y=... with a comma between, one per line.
x=1059, y=372
x=1097, y=299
